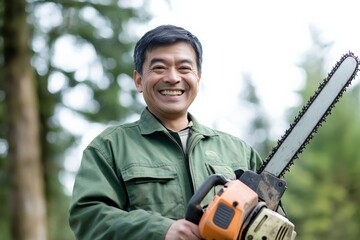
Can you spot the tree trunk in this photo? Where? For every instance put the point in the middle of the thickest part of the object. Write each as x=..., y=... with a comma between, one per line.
x=26, y=191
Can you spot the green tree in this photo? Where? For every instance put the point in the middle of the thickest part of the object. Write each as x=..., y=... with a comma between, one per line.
x=323, y=194
x=26, y=192
x=258, y=131
x=103, y=28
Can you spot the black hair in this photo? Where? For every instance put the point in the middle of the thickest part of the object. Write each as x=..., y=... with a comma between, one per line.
x=163, y=35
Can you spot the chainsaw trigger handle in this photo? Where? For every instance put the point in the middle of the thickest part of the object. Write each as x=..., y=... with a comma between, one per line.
x=194, y=210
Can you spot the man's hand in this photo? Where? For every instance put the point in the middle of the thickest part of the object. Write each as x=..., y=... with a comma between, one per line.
x=183, y=230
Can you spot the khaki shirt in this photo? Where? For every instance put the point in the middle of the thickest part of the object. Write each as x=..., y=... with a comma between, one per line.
x=135, y=179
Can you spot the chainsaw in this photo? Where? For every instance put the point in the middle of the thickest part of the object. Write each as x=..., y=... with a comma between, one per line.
x=248, y=208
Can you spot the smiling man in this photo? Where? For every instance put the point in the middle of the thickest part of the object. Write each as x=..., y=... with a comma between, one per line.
x=169, y=80
x=135, y=179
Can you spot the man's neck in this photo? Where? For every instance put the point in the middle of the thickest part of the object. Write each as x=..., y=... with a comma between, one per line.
x=174, y=124
x=177, y=125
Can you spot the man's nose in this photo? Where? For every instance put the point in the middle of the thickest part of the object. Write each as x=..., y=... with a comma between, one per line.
x=172, y=76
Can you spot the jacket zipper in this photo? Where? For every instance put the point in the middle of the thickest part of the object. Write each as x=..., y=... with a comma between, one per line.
x=192, y=144
x=186, y=157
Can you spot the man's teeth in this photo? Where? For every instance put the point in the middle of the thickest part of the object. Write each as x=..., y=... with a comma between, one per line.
x=171, y=92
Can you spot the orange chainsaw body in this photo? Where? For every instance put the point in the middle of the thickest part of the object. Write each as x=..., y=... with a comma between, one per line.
x=226, y=214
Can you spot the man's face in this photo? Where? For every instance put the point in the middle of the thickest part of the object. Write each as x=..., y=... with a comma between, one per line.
x=170, y=80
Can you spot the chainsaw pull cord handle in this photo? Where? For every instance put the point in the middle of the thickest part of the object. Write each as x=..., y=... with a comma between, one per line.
x=194, y=210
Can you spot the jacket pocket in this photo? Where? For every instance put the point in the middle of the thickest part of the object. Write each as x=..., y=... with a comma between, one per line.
x=154, y=189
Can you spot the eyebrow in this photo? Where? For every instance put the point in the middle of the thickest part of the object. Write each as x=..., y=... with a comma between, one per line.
x=162, y=60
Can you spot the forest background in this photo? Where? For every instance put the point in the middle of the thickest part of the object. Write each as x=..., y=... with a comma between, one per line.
x=39, y=98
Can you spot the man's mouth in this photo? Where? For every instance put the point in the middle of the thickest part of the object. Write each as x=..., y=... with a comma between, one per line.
x=171, y=92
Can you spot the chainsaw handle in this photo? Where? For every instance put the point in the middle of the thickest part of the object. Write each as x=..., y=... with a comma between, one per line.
x=194, y=210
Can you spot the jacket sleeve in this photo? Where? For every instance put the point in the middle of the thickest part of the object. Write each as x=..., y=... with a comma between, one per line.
x=98, y=211
x=254, y=159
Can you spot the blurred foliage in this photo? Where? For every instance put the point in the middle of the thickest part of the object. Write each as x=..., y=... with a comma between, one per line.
x=103, y=28
x=258, y=131
x=323, y=192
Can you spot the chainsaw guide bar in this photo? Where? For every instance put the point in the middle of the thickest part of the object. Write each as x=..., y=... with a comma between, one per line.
x=311, y=117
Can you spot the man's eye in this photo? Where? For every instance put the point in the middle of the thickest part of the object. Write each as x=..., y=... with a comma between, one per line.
x=158, y=68
x=185, y=69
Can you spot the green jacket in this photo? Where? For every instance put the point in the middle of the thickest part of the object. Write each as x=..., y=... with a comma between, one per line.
x=135, y=179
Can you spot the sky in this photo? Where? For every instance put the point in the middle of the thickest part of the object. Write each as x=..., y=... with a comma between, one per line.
x=264, y=39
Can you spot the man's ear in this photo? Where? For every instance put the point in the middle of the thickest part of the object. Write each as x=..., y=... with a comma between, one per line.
x=138, y=81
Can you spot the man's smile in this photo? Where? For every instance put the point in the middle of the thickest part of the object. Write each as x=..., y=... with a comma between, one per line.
x=171, y=92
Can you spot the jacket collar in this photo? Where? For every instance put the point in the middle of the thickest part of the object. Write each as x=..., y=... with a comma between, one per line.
x=149, y=124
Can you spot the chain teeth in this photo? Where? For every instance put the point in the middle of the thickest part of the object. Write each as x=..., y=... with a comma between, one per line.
x=305, y=108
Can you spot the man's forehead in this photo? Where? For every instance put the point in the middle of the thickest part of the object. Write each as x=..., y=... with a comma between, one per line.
x=161, y=52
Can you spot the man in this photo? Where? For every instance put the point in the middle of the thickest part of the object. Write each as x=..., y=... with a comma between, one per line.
x=135, y=180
